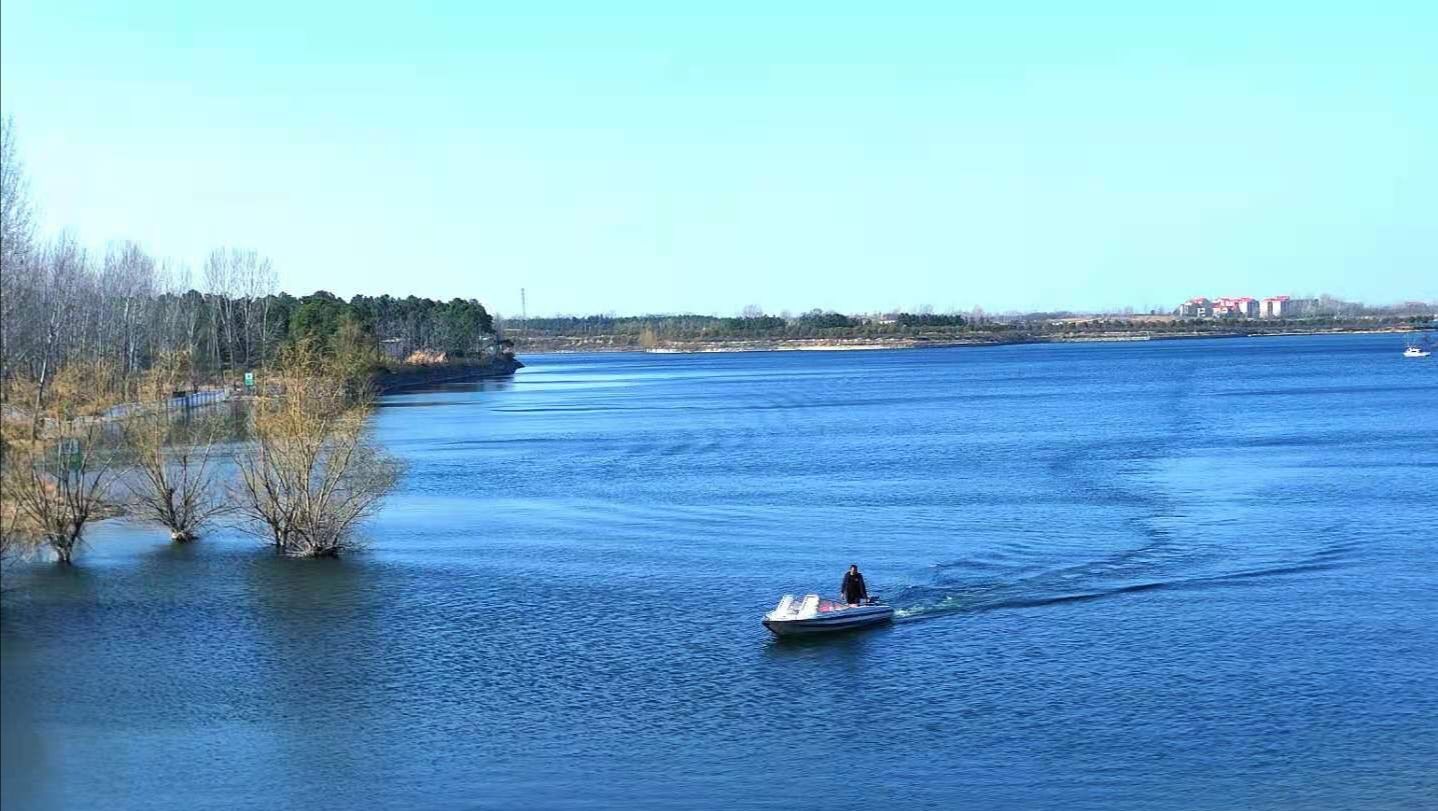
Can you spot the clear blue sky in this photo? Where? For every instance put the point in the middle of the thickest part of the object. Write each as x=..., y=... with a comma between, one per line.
x=849, y=156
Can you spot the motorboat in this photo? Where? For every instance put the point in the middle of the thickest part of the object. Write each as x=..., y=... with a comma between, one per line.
x=812, y=614
x=1416, y=351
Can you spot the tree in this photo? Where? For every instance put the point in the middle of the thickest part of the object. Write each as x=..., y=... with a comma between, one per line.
x=63, y=270
x=356, y=354
x=57, y=471
x=127, y=296
x=60, y=486
x=175, y=483
x=17, y=226
x=317, y=319
x=819, y=319
x=464, y=324
x=313, y=474
x=17, y=230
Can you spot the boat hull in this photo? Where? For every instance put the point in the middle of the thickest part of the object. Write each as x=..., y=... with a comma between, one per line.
x=846, y=620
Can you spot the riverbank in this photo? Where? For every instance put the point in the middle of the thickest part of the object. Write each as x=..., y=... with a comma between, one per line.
x=620, y=343
x=389, y=381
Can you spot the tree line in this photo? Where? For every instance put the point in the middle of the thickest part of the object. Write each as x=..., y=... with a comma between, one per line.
x=95, y=349
x=658, y=330
x=754, y=325
x=60, y=304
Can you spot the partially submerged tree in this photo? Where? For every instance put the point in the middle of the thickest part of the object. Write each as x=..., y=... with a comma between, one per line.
x=57, y=468
x=312, y=473
x=174, y=483
x=57, y=485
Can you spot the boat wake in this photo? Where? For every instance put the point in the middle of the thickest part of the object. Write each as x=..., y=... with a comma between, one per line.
x=1162, y=530
x=973, y=586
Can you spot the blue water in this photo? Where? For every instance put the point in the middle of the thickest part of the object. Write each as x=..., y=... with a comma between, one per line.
x=1188, y=574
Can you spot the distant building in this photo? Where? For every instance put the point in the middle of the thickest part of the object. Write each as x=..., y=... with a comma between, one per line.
x=1272, y=307
x=1286, y=307
x=1235, y=307
x=394, y=348
x=1198, y=307
x=1223, y=307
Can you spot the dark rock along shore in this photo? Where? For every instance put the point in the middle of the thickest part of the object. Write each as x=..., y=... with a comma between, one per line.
x=387, y=382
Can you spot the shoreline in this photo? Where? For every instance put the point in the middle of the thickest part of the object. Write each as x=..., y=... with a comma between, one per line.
x=830, y=345
x=393, y=382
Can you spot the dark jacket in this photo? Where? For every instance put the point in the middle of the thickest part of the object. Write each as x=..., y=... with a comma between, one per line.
x=853, y=587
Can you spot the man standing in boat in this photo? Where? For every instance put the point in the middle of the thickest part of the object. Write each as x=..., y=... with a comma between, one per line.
x=853, y=587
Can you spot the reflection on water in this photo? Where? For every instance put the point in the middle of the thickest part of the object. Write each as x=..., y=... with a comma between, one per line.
x=1127, y=577
x=447, y=394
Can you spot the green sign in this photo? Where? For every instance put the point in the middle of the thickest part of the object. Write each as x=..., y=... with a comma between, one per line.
x=69, y=452
x=249, y=380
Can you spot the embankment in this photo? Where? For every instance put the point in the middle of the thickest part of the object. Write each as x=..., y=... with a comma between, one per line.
x=391, y=381
x=627, y=343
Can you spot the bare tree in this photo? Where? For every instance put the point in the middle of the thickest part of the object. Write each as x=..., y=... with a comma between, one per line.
x=61, y=486
x=172, y=281
x=63, y=269
x=217, y=289
x=175, y=478
x=313, y=473
x=17, y=226
x=59, y=480
x=126, y=300
x=259, y=283
x=17, y=230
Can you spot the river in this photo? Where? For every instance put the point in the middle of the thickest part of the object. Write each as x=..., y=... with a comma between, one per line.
x=1186, y=574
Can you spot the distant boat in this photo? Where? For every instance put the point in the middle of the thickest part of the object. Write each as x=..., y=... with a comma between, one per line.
x=1415, y=350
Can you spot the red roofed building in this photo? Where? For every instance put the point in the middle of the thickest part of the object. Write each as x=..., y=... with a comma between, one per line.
x=1235, y=307
x=1197, y=307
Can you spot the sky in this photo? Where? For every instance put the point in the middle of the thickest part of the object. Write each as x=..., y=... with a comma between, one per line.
x=626, y=157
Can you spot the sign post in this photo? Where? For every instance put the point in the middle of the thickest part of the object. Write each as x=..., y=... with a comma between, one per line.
x=68, y=451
